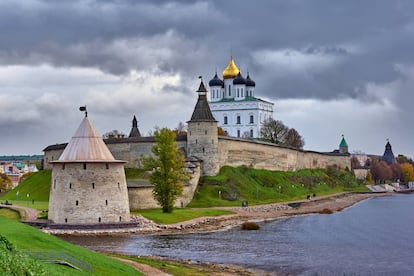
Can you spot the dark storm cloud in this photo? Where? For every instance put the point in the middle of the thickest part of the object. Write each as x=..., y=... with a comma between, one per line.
x=200, y=34
x=297, y=49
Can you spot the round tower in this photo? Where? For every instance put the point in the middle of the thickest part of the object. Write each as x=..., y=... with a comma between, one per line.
x=88, y=184
x=202, y=137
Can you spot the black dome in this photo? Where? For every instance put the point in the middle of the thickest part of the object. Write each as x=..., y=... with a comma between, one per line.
x=216, y=81
x=239, y=79
x=249, y=81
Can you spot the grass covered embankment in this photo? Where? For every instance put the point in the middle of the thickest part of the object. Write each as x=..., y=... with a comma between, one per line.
x=32, y=192
x=232, y=186
x=25, y=239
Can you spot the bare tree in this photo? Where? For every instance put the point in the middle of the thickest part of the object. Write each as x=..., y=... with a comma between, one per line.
x=294, y=139
x=181, y=129
x=274, y=131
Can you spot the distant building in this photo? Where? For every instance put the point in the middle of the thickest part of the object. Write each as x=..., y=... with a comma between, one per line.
x=388, y=155
x=234, y=105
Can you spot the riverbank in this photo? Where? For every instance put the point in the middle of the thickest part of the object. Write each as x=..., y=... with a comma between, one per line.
x=268, y=212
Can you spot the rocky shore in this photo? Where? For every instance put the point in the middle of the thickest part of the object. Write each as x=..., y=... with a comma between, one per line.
x=334, y=203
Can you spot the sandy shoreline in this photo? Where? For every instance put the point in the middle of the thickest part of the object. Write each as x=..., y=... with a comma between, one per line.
x=257, y=213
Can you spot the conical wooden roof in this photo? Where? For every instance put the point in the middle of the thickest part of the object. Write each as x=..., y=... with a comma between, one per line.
x=86, y=145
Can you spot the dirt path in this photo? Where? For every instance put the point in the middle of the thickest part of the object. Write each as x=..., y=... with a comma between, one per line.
x=26, y=213
x=146, y=269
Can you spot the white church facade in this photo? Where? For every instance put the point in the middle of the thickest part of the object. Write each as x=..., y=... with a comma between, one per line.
x=234, y=105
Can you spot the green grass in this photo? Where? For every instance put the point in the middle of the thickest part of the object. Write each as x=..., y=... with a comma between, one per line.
x=171, y=267
x=37, y=186
x=178, y=215
x=133, y=173
x=10, y=214
x=26, y=238
x=234, y=185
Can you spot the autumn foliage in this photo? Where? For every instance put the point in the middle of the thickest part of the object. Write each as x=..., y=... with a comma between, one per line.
x=380, y=171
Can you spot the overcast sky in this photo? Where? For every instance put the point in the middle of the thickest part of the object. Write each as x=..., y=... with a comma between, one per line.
x=330, y=67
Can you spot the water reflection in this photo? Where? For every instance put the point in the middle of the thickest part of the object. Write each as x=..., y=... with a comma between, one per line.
x=375, y=237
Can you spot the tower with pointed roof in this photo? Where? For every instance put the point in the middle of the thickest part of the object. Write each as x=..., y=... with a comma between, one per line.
x=388, y=155
x=88, y=184
x=343, y=146
x=234, y=105
x=134, y=130
x=202, y=138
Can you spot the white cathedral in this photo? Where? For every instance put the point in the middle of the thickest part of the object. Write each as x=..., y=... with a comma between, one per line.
x=234, y=105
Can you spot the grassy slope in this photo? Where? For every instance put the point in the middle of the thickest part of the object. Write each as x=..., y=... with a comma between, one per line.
x=261, y=186
x=29, y=238
x=36, y=185
x=245, y=184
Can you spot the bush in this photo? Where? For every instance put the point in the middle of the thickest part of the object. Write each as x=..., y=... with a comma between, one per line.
x=250, y=225
x=12, y=262
x=326, y=211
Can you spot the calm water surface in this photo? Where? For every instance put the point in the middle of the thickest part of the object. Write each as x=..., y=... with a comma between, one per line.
x=374, y=237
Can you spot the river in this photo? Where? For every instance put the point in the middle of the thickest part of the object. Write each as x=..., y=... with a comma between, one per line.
x=373, y=237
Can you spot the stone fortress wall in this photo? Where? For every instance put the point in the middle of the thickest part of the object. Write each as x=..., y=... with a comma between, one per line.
x=231, y=152
x=261, y=155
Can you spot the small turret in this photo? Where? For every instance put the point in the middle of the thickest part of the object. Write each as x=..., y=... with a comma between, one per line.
x=134, y=130
x=343, y=146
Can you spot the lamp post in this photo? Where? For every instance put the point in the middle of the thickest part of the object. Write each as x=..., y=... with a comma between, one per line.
x=219, y=193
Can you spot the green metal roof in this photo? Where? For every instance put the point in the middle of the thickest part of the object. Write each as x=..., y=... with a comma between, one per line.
x=343, y=143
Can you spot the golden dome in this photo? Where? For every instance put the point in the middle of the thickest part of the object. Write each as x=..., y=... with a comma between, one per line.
x=231, y=71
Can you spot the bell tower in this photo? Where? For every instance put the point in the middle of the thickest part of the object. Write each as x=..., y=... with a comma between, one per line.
x=202, y=137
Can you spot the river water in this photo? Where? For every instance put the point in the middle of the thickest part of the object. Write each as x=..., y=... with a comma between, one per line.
x=374, y=237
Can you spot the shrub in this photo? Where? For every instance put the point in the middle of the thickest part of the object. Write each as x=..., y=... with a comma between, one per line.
x=250, y=225
x=326, y=211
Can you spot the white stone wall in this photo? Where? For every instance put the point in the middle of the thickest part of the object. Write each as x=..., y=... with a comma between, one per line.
x=97, y=194
x=260, y=110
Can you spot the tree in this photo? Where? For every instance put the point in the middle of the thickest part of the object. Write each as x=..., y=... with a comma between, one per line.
x=5, y=182
x=401, y=158
x=380, y=171
x=181, y=129
x=408, y=172
x=294, y=139
x=221, y=132
x=168, y=173
x=114, y=134
x=397, y=172
x=274, y=131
